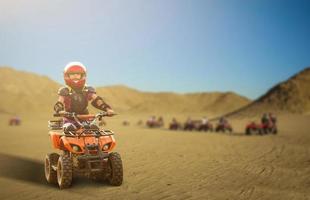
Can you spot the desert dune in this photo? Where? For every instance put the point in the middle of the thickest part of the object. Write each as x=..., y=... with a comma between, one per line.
x=290, y=96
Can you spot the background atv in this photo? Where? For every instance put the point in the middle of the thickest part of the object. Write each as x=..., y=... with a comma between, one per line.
x=86, y=151
x=205, y=127
x=261, y=129
x=223, y=127
x=14, y=121
x=190, y=126
x=175, y=126
x=253, y=128
x=269, y=128
x=155, y=123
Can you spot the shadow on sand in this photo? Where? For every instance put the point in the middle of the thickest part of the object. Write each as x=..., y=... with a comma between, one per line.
x=239, y=134
x=32, y=171
x=23, y=169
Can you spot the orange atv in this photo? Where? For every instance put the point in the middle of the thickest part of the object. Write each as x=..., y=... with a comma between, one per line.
x=85, y=151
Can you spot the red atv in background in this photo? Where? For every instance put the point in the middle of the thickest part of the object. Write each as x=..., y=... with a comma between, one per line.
x=86, y=151
x=261, y=129
x=269, y=127
x=253, y=128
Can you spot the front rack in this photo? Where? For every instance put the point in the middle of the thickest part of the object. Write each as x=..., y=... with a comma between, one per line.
x=55, y=124
x=84, y=136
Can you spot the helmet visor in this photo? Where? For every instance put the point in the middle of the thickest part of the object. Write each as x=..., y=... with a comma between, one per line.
x=76, y=76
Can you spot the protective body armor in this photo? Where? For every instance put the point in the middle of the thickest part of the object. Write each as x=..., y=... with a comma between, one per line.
x=76, y=100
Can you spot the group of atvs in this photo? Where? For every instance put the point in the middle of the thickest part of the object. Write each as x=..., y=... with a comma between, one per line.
x=268, y=125
x=201, y=125
x=190, y=125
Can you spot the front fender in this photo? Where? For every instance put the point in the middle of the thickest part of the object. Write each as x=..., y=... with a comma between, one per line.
x=66, y=144
x=55, y=139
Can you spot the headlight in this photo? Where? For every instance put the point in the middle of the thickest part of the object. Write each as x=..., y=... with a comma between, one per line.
x=76, y=148
x=106, y=147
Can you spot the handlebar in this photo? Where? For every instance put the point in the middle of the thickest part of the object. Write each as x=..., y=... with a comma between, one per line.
x=77, y=118
x=72, y=115
x=87, y=116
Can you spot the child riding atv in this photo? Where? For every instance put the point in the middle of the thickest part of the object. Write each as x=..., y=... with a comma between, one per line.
x=86, y=148
x=76, y=95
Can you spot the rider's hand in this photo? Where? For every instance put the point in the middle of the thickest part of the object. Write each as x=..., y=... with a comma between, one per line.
x=110, y=112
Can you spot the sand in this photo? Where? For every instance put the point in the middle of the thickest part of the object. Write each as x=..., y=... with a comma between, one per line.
x=163, y=164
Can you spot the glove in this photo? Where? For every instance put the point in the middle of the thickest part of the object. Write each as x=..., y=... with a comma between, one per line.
x=59, y=106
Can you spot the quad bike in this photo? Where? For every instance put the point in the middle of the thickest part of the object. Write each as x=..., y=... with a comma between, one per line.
x=189, y=126
x=175, y=126
x=269, y=128
x=86, y=152
x=223, y=127
x=253, y=128
x=125, y=123
x=154, y=123
x=261, y=129
x=14, y=121
x=205, y=127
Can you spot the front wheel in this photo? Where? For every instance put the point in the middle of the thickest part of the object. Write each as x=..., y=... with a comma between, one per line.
x=64, y=171
x=116, y=169
x=50, y=162
x=260, y=131
x=248, y=131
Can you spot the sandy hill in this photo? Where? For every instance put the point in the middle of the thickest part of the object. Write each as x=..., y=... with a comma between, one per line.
x=135, y=101
x=290, y=96
x=24, y=92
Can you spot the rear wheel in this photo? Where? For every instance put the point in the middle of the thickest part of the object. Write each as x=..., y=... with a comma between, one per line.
x=116, y=169
x=50, y=173
x=64, y=171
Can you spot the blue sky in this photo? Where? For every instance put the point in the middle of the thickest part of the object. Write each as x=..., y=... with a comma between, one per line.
x=160, y=45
